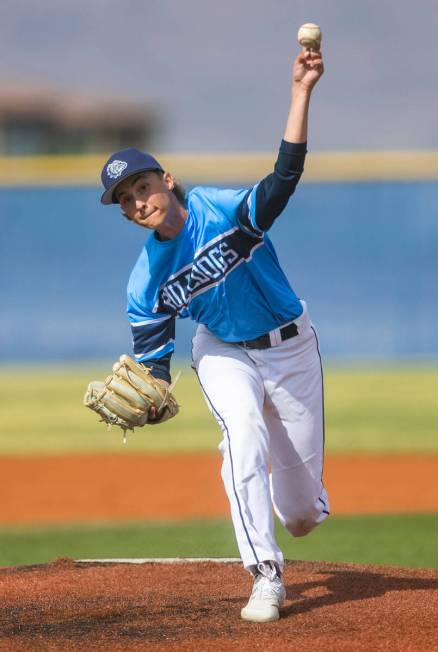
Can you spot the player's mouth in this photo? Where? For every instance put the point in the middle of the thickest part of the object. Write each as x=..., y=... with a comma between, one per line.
x=144, y=217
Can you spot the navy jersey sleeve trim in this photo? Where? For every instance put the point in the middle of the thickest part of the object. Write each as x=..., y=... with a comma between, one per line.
x=267, y=199
x=154, y=342
x=149, y=336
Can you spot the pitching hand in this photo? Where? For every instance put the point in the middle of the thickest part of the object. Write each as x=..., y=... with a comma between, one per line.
x=308, y=68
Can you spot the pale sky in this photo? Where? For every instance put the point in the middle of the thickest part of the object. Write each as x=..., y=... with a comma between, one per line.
x=219, y=72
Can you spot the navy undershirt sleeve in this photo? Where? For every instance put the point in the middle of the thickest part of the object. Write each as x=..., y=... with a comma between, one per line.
x=273, y=192
x=159, y=367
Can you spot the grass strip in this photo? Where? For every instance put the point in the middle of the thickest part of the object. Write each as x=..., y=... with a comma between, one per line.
x=400, y=540
x=382, y=409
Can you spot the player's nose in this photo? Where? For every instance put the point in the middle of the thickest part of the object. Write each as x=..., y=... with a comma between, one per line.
x=140, y=204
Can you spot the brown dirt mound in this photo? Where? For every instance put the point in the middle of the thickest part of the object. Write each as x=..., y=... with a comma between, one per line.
x=70, y=606
x=83, y=488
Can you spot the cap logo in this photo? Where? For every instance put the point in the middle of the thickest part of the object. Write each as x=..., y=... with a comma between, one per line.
x=115, y=169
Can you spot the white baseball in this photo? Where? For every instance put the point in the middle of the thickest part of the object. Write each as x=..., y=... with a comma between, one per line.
x=309, y=36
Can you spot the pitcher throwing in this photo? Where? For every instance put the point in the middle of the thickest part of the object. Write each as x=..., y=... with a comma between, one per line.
x=255, y=351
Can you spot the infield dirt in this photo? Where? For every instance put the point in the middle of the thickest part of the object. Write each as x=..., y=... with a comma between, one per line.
x=74, y=607
x=85, y=488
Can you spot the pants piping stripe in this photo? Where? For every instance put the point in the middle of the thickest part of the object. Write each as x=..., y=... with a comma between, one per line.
x=322, y=396
x=325, y=510
x=232, y=469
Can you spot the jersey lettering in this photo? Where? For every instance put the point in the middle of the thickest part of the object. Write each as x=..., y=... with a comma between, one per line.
x=209, y=268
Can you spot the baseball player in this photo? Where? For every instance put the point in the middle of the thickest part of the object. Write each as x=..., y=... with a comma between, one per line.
x=255, y=351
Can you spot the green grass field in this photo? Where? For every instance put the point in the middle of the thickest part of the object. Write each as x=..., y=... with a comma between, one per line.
x=402, y=540
x=366, y=410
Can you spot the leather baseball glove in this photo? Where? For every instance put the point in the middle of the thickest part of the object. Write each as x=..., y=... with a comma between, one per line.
x=131, y=397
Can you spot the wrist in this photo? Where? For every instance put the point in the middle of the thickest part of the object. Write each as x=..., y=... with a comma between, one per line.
x=300, y=91
x=162, y=382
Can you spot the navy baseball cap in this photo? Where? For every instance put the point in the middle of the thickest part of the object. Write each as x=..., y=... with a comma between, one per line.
x=121, y=165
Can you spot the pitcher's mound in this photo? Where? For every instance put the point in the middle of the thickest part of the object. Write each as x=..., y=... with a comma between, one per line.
x=69, y=605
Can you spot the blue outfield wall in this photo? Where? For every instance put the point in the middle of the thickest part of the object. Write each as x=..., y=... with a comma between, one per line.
x=363, y=255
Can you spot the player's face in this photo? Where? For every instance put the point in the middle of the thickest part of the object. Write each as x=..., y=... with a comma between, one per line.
x=146, y=198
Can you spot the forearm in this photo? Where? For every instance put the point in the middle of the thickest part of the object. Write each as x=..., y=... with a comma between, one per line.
x=297, y=119
x=308, y=68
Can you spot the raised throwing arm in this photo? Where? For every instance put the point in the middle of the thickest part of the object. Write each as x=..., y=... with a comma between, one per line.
x=307, y=69
x=267, y=199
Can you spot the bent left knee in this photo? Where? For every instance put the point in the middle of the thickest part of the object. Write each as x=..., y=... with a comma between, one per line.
x=300, y=526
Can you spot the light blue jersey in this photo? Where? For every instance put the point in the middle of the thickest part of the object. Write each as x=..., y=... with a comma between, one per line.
x=221, y=270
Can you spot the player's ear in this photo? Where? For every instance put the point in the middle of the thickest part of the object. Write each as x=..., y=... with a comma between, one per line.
x=169, y=180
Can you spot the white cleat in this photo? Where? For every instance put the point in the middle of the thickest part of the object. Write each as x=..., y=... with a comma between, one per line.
x=267, y=596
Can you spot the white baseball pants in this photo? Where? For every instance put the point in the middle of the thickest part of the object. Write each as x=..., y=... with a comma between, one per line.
x=269, y=406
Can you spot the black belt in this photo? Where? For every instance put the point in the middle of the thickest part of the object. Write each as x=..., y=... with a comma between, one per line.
x=264, y=341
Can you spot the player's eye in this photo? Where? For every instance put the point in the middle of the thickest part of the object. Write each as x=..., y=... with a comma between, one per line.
x=124, y=201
